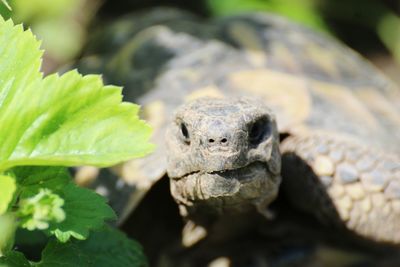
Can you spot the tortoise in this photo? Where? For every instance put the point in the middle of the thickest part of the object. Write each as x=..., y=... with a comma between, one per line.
x=250, y=107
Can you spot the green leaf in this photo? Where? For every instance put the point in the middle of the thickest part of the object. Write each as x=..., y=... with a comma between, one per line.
x=14, y=259
x=113, y=248
x=38, y=211
x=31, y=179
x=104, y=248
x=8, y=187
x=108, y=247
x=68, y=120
x=81, y=208
x=68, y=254
x=39, y=205
x=85, y=210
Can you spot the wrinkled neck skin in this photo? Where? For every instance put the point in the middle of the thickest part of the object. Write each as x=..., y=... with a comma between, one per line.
x=223, y=160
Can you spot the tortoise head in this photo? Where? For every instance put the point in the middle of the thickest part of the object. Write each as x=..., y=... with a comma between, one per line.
x=223, y=157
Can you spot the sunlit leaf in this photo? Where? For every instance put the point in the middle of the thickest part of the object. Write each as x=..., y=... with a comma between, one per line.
x=68, y=120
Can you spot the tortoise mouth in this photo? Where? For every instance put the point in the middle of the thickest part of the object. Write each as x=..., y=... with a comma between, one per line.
x=240, y=185
x=240, y=173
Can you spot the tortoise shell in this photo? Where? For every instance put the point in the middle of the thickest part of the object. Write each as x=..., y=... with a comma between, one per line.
x=312, y=82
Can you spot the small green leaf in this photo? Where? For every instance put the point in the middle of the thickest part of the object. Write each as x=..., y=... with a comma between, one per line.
x=60, y=121
x=113, y=248
x=85, y=210
x=31, y=179
x=104, y=248
x=108, y=247
x=8, y=187
x=14, y=259
x=68, y=254
x=38, y=187
x=38, y=211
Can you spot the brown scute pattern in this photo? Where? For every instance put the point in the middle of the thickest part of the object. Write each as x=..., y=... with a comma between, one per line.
x=364, y=187
x=307, y=79
x=293, y=48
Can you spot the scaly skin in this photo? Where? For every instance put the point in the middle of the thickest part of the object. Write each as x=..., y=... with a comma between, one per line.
x=344, y=182
x=223, y=158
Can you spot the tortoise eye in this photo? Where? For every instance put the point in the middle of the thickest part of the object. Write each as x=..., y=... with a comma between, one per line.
x=185, y=134
x=259, y=131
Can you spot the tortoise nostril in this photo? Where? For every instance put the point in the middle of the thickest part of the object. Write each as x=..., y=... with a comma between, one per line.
x=217, y=141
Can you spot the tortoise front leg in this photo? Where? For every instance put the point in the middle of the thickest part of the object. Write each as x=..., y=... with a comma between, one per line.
x=344, y=182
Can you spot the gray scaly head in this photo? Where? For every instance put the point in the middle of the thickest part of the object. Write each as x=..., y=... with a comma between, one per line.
x=223, y=158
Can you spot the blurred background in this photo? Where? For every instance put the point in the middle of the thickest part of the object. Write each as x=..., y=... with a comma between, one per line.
x=372, y=27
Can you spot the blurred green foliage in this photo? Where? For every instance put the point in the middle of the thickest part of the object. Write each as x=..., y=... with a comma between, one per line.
x=373, y=15
x=303, y=11
x=60, y=24
x=39, y=10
